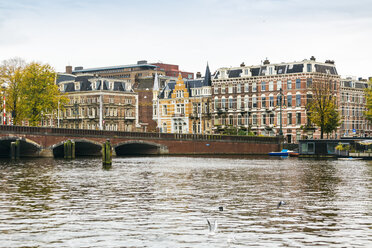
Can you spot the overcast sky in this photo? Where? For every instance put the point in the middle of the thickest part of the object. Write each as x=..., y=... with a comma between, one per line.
x=92, y=33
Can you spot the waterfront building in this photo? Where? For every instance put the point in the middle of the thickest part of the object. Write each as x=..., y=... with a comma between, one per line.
x=98, y=103
x=353, y=105
x=128, y=73
x=248, y=97
x=144, y=88
x=173, y=70
x=183, y=106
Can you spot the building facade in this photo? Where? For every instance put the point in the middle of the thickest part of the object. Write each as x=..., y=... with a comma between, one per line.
x=128, y=73
x=248, y=97
x=98, y=103
x=184, y=106
x=353, y=105
x=173, y=70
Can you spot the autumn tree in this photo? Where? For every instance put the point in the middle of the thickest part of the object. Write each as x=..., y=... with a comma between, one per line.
x=41, y=94
x=368, y=92
x=11, y=73
x=322, y=108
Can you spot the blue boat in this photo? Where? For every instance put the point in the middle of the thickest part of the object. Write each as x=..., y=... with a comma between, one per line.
x=284, y=152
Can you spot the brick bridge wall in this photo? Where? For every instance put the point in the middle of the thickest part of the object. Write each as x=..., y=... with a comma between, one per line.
x=48, y=138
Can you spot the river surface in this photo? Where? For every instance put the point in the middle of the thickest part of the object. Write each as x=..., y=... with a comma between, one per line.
x=166, y=201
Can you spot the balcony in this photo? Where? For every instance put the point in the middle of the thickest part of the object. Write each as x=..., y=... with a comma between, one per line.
x=178, y=115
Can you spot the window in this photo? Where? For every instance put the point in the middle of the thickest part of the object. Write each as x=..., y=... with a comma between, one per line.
x=289, y=84
x=246, y=100
x=289, y=101
x=270, y=71
x=263, y=119
x=216, y=103
x=230, y=102
x=271, y=119
x=271, y=86
x=239, y=102
x=246, y=71
x=246, y=87
x=238, y=88
x=254, y=87
x=298, y=83
x=263, y=86
x=298, y=118
x=298, y=100
x=289, y=119
x=263, y=101
x=215, y=89
x=278, y=85
x=309, y=82
x=308, y=67
x=254, y=119
x=254, y=101
x=223, y=102
x=230, y=89
x=223, y=89
x=271, y=101
x=165, y=111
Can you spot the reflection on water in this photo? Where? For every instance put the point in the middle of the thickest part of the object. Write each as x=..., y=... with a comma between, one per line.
x=165, y=201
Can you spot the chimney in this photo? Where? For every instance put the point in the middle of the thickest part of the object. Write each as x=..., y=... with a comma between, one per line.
x=312, y=58
x=198, y=74
x=69, y=69
x=332, y=62
x=242, y=64
x=266, y=62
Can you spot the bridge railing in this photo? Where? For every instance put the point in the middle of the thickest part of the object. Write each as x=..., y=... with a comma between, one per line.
x=112, y=134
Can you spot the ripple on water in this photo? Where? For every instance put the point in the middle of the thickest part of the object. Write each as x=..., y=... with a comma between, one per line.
x=165, y=201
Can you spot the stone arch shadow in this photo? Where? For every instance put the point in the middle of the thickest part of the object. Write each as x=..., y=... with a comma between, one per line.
x=83, y=148
x=28, y=148
x=139, y=147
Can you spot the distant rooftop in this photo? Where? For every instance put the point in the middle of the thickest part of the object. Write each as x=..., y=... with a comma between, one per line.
x=142, y=64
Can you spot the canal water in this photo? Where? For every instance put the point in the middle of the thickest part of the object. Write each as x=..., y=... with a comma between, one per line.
x=166, y=201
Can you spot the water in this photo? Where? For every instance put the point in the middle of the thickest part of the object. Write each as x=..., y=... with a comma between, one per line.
x=165, y=201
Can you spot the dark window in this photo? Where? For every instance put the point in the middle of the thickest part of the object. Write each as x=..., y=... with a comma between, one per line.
x=289, y=118
x=309, y=82
x=298, y=83
x=289, y=100
x=298, y=100
x=298, y=118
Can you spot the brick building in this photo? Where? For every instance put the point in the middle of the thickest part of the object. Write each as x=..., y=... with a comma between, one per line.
x=247, y=97
x=353, y=105
x=184, y=106
x=98, y=103
x=128, y=73
x=173, y=70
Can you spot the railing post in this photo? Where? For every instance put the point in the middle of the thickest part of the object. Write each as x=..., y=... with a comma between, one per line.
x=15, y=149
x=69, y=149
x=107, y=154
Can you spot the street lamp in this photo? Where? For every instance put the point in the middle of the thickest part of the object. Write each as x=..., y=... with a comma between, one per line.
x=280, y=104
x=3, y=86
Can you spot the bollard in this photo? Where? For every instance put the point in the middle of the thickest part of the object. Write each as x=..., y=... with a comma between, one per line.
x=15, y=149
x=69, y=149
x=107, y=154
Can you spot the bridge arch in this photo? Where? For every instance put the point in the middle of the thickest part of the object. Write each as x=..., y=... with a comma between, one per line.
x=28, y=148
x=83, y=147
x=139, y=147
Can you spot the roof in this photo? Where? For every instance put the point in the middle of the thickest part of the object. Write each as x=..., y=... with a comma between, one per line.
x=144, y=66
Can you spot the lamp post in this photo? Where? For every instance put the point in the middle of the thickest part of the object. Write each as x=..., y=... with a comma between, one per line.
x=3, y=86
x=280, y=104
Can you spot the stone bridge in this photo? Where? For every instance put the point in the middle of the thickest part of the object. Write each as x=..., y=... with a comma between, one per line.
x=49, y=142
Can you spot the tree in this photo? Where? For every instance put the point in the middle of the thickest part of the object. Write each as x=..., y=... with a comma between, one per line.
x=368, y=113
x=41, y=94
x=322, y=108
x=11, y=73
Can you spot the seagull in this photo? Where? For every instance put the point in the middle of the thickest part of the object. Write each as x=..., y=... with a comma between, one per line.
x=281, y=203
x=212, y=228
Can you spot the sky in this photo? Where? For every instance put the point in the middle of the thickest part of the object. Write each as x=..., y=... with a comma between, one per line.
x=192, y=33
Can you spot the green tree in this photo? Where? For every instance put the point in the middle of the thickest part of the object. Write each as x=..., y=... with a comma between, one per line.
x=368, y=92
x=322, y=108
x=41, y=94
x=11, y=74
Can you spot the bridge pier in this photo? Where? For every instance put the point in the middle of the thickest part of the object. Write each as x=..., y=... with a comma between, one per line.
x=69, y=149
x=107, y=154
x=15, y=147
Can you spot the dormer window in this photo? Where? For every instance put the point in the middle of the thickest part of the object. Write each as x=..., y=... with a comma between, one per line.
x=77, y=86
